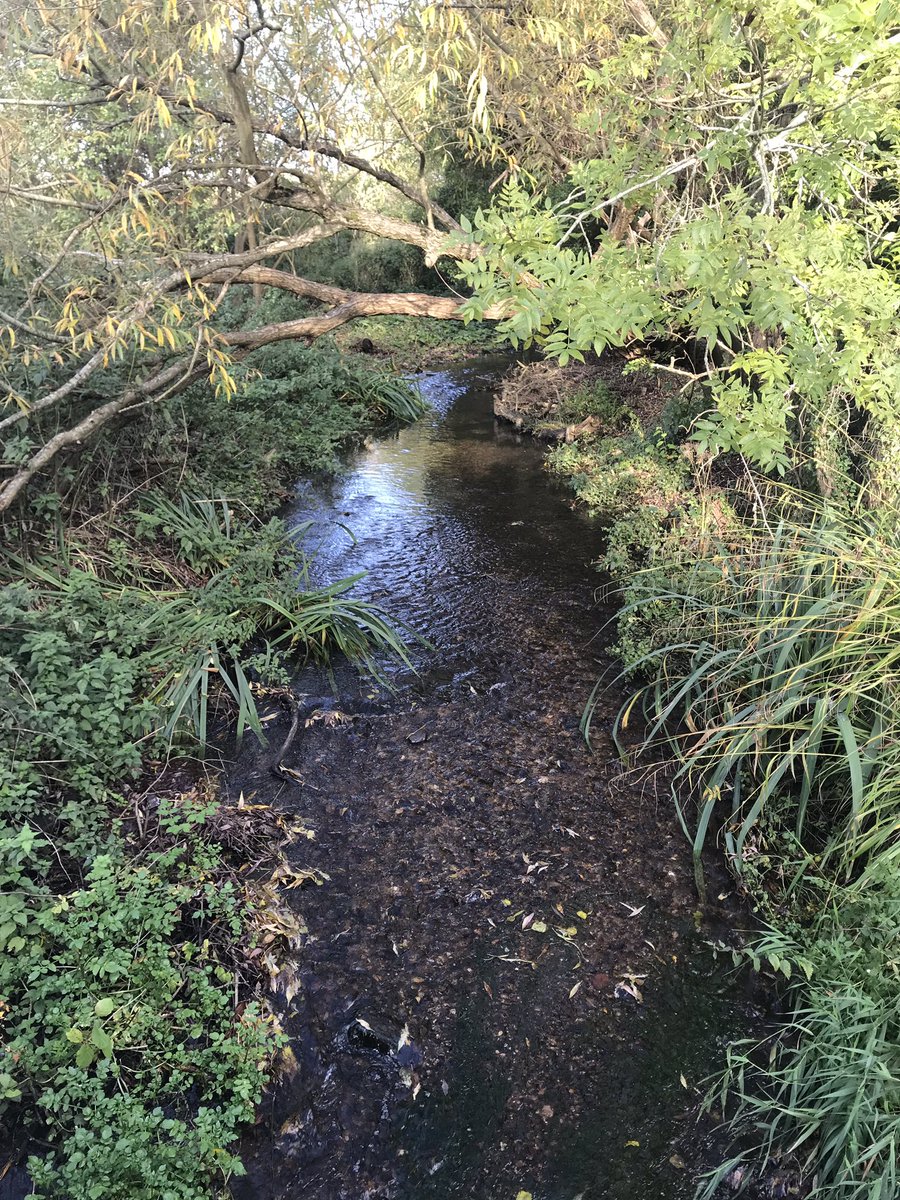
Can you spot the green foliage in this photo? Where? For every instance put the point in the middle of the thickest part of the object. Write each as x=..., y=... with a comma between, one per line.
x=120, y=1038
x=295, y=410
x=825, y=1089
x=594, y=399
x=777, y=693
x=70, y=715
x=616, y=475
x=365, y=264
x=106, y=664
x=420, y=342
x=762, y=195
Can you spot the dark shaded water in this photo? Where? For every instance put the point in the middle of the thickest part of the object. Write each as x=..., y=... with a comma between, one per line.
x=517, y=909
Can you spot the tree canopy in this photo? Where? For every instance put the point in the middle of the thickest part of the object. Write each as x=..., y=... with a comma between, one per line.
x=720, y=178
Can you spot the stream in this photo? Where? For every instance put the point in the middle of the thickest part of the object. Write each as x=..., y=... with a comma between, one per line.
x=505, y=986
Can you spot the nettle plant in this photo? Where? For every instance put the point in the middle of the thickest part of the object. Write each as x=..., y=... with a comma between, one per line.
x=737, y=196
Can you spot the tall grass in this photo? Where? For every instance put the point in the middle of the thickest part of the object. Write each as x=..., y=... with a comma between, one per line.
x=779, y=701
x=390, y=396
x=230, y=594
x=782, y=700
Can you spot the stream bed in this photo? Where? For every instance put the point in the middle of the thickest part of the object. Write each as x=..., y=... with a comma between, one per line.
x=505, y=985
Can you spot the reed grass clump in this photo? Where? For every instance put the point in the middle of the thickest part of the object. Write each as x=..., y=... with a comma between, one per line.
x=777, y=694
x=118, y=646
x=781, y=697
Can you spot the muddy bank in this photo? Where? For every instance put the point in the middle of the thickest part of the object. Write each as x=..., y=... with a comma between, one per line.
x=504, y=985
x=544, y=399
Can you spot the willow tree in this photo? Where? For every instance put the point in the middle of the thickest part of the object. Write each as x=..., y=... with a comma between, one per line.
x=722, y=173
x=156, y=154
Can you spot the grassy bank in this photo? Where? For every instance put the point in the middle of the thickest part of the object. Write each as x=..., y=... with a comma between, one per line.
x=759, y=627
x=146, y=606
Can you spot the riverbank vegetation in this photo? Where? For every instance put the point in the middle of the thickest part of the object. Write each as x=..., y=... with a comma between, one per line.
x=196, y=198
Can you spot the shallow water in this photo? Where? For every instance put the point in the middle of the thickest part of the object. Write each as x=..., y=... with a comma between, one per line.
x=518, y=908
x=452, y=520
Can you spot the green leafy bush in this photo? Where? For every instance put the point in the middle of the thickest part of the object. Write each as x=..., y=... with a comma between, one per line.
x=296, y=408
x=615, y=476
x=120, y=1037
x=595, y=399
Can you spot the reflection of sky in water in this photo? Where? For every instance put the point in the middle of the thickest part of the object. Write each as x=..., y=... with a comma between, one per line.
x=445, y=516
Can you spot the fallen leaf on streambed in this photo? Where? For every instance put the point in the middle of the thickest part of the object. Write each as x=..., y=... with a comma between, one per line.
x=574, y=989
x=632, y=911
x=329, y=718
x=523, y=1196
x=629, y=987
x=526, y=921
x=539, y=927
x=632, y=1143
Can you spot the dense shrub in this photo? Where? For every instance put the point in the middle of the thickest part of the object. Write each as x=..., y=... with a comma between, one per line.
x=120, y=1038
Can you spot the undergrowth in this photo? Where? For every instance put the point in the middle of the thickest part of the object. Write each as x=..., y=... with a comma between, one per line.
x=761, y=629
x=136, y=952
x=296, y=409
x=123, y=953
x=420, y=342
x=772, y=679
x=121, y=1041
